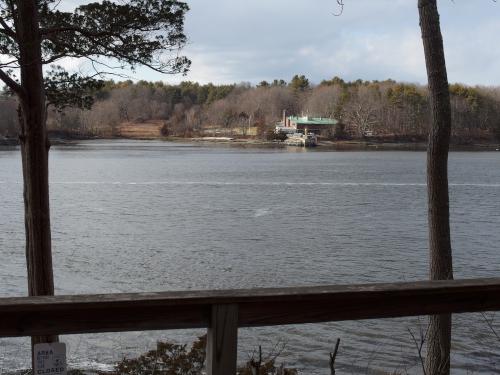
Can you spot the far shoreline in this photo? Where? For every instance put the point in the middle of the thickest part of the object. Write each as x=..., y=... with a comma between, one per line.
x=323, y=145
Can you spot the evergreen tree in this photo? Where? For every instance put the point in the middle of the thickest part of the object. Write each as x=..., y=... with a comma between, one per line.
x=299, y=83
x=35, y=33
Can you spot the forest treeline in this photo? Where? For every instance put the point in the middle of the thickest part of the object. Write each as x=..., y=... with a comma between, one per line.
x=387, y=109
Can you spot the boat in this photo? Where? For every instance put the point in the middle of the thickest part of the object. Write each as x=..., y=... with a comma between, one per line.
x=303, y=140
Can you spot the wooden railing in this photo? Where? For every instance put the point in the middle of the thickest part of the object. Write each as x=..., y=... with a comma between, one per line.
x=223, y=311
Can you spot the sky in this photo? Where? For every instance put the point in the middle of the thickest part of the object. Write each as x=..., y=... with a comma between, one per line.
x=232, y=41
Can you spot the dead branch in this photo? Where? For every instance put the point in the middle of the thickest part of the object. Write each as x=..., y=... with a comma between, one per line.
x=333, y=355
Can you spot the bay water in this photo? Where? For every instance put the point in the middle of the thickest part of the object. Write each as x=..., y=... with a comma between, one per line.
x=138, y=216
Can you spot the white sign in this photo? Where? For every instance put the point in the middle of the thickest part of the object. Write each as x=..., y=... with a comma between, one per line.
x=50, y=358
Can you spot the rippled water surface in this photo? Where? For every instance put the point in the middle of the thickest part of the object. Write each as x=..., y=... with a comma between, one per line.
x=152, y=216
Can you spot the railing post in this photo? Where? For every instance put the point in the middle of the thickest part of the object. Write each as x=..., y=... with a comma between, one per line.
x=222, y=340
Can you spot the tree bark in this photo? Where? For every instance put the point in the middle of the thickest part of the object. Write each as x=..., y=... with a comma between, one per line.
x=440, y=257
x=34, y=150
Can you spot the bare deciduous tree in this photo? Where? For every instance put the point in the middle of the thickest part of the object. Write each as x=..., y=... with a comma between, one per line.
x=362, y=110
x=440, y=262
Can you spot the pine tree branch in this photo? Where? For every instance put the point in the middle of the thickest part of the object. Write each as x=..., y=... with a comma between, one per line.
x=89, y=34
x=6, y=30
x=134, y=33
x=13, y=85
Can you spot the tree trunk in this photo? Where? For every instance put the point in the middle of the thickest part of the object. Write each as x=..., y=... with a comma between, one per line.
x=441, y=268
x=34, y=150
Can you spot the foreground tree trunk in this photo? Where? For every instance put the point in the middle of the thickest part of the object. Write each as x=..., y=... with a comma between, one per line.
x=34, y=150
x=441, y=268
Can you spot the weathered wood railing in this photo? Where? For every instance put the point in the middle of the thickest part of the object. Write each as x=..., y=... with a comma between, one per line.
x=223, y=311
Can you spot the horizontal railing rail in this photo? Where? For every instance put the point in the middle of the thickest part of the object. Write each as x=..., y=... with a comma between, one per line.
x=46, y=315
x=223, y=311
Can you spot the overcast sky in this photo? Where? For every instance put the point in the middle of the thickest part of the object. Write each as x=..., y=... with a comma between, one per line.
x=254, y=40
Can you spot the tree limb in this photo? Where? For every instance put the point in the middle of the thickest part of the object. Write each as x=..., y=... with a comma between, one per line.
x=13, y=85
x=86, y=33
x=7, y=33
x=6, y=29
x=333, y=356
x=108, y=49
x=340, y=3
x=133, y=33
x=54, y=58
x=10, y=64
x=13, y=14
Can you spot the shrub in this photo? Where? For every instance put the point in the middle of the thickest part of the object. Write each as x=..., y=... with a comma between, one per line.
x=167, y=359
x=272, y=136
x=339, y=132
x=175, y=359
x=165, y=129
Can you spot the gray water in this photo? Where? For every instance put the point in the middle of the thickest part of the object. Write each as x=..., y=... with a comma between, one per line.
x=152, y=216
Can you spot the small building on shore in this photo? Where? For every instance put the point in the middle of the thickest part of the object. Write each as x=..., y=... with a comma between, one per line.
x=303, y=124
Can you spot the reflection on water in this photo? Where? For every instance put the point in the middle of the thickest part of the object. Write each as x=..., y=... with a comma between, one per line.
x=149, y=216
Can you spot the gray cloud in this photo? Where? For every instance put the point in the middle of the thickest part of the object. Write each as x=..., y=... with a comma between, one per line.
x=241, y=40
